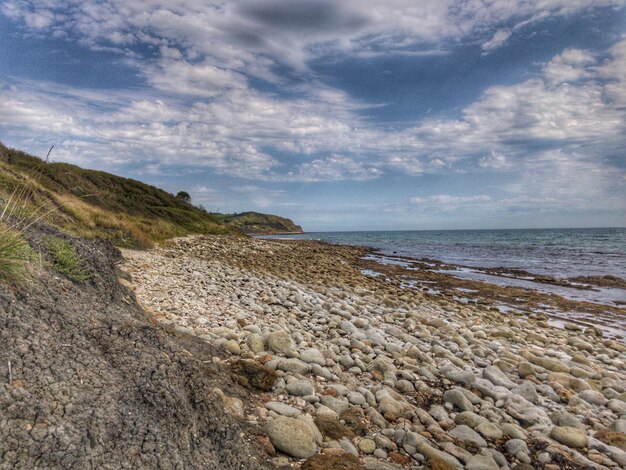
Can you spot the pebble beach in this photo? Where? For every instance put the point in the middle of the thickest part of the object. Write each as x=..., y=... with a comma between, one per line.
x=370, y=374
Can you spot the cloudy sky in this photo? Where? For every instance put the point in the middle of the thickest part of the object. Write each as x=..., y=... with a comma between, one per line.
x=351, y=114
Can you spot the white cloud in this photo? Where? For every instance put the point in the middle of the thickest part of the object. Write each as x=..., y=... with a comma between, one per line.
x=569, y=66
x=498, y=39
x=494, y=160
x=447, y=199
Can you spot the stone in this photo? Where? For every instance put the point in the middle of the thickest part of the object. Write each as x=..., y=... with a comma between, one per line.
x=280, y=342
x=312, y=356
x=283, y=409
x=467, y=437
x=527, y=390
x=514, y=446
x=292, y=436
x=482, y=462
x=337, y=405
x=458, y=399
x=497, y=377
x=459, y=376
x=232, y=346
x=255, y=343
x=489, y=431
x=565, y=418
x=571, y=437
x=547, y=363
x=367, y=446
x=295, y=366
x=594, y=397
x=300, y=388
x=611, y=438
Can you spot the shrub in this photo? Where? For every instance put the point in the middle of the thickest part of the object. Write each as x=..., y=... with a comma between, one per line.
x=65, y=259
x=14, y=256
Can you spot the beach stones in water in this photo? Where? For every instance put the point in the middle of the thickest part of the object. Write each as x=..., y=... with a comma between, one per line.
x=292, y=436
x=280, y=341
x=571, y=437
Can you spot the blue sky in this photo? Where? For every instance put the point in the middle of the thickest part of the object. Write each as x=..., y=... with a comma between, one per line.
x=348, y=115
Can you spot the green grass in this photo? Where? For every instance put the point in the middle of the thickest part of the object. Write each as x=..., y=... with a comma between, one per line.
x=65, y=260
x=15, y=254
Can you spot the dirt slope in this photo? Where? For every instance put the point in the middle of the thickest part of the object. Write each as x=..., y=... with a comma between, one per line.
x=96, y=385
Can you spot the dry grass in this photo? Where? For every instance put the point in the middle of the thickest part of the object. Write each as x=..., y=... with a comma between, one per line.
x=15, y=255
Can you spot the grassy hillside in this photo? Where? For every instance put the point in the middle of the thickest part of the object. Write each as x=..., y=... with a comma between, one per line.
x=93, y=204
x=253, y=222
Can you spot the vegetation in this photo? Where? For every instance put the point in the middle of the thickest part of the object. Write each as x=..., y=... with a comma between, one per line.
x=65, y=259
x=93, y=204
x=14, y=256
x=254, y=222
x=184, y=196
x=130, y=213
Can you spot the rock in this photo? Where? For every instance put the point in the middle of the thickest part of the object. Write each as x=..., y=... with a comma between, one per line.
x=619, y=425
x=611, y=438
x=438, y=459
x=337, y=405
x=497, y=377
x=348, y=447
x=458, y=399
x=255, y=343
x=482, y=462
x=549, y=364
x=593, y=397
x=280, y=341
x=300, y=388
x=513, y=431
x=356, y=398
x=489, y=431
x=312, y=356
x=332, y=462
x=253, y=374
x=527, y=390
x=295, y=366
x=514, y=446
x=565, y=418
x=459, y=376
x=232, y=346
x=292, y=436
x=467, y=437
x=367, y=446
x=283, y=409
x=571, y=437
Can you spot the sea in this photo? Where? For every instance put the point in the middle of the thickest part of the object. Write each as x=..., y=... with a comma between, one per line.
x=559, y=253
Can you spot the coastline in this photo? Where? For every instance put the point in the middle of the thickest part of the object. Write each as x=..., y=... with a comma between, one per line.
x=393, y=376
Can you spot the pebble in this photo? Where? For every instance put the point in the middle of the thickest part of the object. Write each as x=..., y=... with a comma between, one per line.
x=359, y=353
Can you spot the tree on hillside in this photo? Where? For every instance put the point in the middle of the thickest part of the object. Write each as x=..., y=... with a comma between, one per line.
x=184, y=196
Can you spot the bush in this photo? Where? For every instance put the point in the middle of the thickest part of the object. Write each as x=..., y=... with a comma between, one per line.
x=65, y=259
x=14, y=256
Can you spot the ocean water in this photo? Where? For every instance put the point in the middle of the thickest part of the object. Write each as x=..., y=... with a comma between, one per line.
x=560, y=253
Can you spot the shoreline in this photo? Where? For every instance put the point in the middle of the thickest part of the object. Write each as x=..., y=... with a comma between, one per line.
x=391, y=376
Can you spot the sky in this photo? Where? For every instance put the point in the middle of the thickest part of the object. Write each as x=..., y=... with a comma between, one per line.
x=342, y=115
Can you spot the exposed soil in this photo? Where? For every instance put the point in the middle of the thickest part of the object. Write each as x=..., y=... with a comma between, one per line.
x=94, y=384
